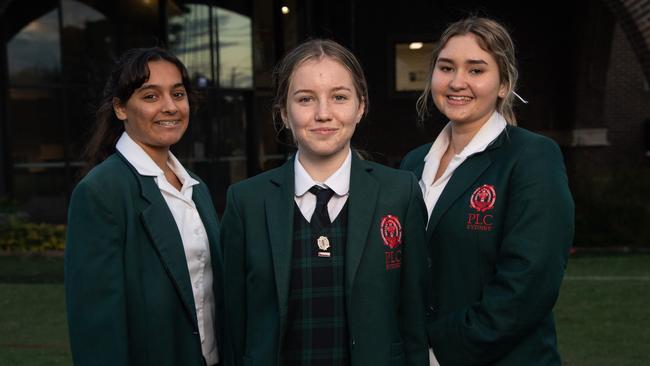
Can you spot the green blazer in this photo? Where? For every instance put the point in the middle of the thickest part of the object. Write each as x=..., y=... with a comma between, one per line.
x=128, y=292
x=499, y=252
x=385, y=307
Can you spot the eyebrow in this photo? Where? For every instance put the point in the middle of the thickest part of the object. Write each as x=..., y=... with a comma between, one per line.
x=156, y=86
x=337, y=88
x=471, y=61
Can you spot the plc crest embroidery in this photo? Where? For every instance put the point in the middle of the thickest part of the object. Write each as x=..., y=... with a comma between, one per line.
x=483, y=198
x=391, y=231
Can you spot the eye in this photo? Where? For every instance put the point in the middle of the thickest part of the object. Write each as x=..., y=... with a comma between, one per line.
x=305, y=99
x=179, y=94
x=476, y=71
x=340, y=98
x=445, y=68
x=150, y=97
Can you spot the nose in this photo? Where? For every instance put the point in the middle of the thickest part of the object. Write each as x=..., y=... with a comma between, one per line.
x=457, y=81
x=323, y=112
x=169, y=105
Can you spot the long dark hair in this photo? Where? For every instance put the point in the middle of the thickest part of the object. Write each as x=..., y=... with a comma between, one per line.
x=129, y=72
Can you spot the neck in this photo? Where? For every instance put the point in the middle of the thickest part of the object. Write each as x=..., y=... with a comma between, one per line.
x=320, y=168
x=462, y=134
x=159, y=156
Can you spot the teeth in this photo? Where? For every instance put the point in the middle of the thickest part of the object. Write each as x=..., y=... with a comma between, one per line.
x=459, y=98
x=167, y=123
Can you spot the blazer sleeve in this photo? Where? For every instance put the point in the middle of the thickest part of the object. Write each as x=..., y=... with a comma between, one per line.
x=537, y=236
x=414, y=276
x=94, y=280
x=233, y=239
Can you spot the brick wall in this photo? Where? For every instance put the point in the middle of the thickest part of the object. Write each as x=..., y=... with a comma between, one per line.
x=634, y=17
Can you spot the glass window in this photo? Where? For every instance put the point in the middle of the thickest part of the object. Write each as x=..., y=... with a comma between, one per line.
x=191, y=39
x=35, y=53
x=87, y=42
x=235, y=50
x=412, y=65
x=195, y=30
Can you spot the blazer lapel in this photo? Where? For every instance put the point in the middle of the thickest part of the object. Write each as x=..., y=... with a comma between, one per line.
x=364, y=191
x=209, y=219
x=460, y=181
x=419, y=168
x=161, y=227
x=279, y=220
x=464, y=176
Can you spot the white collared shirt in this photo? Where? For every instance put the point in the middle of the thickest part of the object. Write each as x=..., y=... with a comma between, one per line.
x=192, y=232
x=339, y=182
x=486, y=134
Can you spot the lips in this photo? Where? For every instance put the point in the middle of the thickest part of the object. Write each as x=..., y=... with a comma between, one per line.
x=171, y=123
x=324, y=130
x=459, y=98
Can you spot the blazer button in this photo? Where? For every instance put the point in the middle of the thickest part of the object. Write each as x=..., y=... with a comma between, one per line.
x=429, y=263
x=195, y=333
x=353, y=343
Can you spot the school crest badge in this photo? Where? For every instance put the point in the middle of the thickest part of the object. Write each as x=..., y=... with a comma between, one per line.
x=391, y=231
x=483, y=198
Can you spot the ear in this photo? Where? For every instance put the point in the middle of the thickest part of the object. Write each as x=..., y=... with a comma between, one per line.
x=361, y=110
x=503, y=91
x=119, y=109
x=285, y=120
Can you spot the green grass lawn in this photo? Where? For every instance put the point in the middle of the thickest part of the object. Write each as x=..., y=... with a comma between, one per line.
x=603, y=314
x=33, y=328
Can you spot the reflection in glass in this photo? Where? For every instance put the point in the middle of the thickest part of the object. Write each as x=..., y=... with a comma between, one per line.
x=79, y=15
x=190, y=38
x=34, y=54
x=235, y=50
x=87, y=41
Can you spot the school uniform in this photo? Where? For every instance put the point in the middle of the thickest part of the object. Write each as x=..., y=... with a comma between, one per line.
x=499, y=234
x=373, y=279
x=142, y=266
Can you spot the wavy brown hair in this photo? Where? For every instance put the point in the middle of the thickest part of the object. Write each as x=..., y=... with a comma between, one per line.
x=493, y=38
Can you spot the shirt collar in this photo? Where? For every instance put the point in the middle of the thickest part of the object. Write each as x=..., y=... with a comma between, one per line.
x=145, y=166
x=339, y=182
x=486, y=134
x=484, y=137
x=440, y=144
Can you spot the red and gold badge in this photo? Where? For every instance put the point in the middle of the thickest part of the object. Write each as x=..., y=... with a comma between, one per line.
x=391, y=231
x=483, y=198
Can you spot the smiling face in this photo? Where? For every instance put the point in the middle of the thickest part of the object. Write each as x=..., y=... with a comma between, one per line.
x=465, y=84
x=157, y=114
x=322, y=109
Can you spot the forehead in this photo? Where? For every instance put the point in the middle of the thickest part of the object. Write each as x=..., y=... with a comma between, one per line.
x=163, y=71
x=465, y=47
x=323, y=70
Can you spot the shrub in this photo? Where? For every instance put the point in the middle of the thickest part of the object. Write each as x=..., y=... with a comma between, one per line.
x=17, y=234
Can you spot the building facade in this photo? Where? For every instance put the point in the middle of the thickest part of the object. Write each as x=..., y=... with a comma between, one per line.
x=584, y=68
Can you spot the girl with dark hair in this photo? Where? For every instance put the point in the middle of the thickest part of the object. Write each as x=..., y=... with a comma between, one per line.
x=500, y=210
x=142, y=261
x=325, y=256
